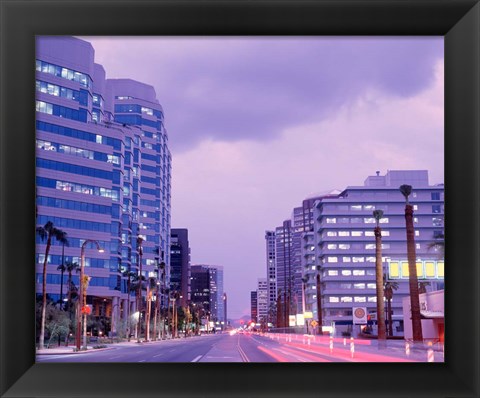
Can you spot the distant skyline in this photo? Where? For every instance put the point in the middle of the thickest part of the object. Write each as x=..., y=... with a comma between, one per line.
x=256, y=125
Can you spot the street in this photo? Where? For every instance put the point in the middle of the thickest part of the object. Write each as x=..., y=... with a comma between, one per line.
x=245, y=348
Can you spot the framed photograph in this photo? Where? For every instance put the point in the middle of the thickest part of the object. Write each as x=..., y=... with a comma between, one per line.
x=456, y=22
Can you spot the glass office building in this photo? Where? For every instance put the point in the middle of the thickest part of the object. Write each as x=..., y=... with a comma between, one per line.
x=103, y=172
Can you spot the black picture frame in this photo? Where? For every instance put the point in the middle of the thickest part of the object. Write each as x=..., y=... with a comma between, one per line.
x=457, y=20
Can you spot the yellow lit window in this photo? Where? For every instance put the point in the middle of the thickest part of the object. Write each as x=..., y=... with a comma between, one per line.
x=440, y=269
x=420, y=270
x=430, y=269
x=405, y=272
x=394, y=271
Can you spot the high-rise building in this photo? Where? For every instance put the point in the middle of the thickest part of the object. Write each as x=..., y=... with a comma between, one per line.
x=200, y=285
x=343, y=244
x=271, y=275
x=216, y=293
x=284, y=271
x=103, y=172
x=254, y=306
x=262, y=300
x=180, y=264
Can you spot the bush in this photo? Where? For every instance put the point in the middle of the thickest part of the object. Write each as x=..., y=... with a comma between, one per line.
x=96, y=347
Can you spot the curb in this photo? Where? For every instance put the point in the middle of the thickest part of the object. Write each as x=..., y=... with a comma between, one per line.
x=75, y=352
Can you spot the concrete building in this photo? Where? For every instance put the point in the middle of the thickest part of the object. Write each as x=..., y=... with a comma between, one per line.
x=207, y=289
x=343, y=244
x=103, y=172
x=271, y=275
x=180, y=264
x=262, y=300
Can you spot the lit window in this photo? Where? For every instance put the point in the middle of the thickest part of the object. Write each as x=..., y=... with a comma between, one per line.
x=344, y=246
x=358, y=272
x=356, y=207
x=358, y=259
x=331, y=233
x=371, y=286
x=331, y=246
x=345, y=299
x=369, y=220
x=357, y=233
x=359, y=285
x=333, y=299
x=332, y=272
x=343, y=233
x=331, y=220
x=347, y=259
x=332, y=260
x=346, y=272
x=360, y=299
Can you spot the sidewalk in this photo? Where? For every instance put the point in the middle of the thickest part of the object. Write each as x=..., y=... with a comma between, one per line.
x=62, y=350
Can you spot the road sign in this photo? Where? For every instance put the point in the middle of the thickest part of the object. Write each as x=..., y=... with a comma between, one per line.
x=314, y=323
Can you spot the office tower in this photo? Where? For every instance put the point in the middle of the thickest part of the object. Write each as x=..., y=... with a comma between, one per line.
x=103, y=172
x=180, y=264
x=344, y=244
x=284, y=271
x=216, y=293
x=200, y=286
x=271, y=275
x=253, y=306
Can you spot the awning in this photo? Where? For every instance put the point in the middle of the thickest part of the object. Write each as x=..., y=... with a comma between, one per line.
x=432, y=314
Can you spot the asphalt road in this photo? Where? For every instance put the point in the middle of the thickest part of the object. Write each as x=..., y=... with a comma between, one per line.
x=234, y=348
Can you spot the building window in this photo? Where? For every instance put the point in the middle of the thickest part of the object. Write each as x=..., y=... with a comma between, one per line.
x=331, y=220
x=436, y=209
x=357, y=233
x=332, y=260
x=435, y=195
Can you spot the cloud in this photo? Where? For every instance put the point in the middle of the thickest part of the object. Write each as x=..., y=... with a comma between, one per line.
x=258, y=124
x=234, y=89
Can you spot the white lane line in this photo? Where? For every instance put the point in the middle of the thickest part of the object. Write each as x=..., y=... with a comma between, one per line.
x=143, y=360
x=157, y=355
x=197, y=358
x=116, y=356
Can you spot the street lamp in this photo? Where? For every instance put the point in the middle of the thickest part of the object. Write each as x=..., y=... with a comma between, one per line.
x=139, y=287
x=224, y=311
x=82, y=299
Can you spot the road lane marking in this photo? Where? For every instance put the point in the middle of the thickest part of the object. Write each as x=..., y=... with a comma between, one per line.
x=157, y=355
x=143, y=360
x=116, y=356
x=242, y=354
x=197, y=358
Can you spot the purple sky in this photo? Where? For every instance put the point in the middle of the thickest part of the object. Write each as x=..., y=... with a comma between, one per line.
x=256, y=125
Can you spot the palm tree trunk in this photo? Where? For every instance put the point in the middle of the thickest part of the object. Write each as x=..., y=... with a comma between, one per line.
x=413, y=279
x=379, y=282
x=390, y=321
x=319, y=304
x=41, y=340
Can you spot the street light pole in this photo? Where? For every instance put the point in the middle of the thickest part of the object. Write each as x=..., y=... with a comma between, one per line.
x=82, y=298
x=224, y=311
x=139, y=287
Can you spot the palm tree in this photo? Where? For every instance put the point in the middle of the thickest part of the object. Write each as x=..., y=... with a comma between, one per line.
x=47, y=232
x=62, y=268
x=439, y=245
x=70, y=267
x=129, y=274
x=381, y=335
x=406, y=190
x=388, y=288
x=319, y=300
